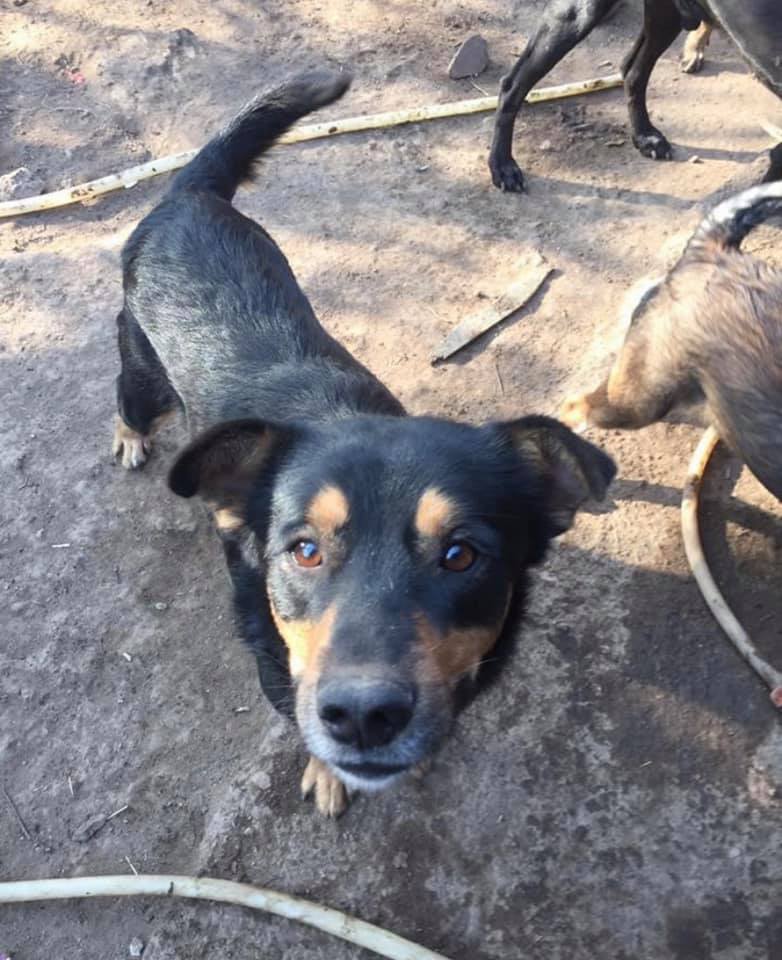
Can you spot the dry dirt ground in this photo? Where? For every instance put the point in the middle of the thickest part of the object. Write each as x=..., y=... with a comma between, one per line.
x=618, y=795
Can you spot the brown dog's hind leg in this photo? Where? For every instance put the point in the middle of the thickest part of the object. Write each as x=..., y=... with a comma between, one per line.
x=647, y=380
x=662, y=25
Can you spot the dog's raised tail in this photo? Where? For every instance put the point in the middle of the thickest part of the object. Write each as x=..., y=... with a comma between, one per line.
x=730, y=221
x=228, y=158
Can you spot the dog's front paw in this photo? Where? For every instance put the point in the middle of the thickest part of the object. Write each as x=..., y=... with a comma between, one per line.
x=132, y=446
x=574, y=413
x=653, y=144
x=506, y=175
x=331, y=797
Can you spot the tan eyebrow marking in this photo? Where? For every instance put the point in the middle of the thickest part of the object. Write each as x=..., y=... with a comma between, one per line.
x=328, y=510
x=435, y=513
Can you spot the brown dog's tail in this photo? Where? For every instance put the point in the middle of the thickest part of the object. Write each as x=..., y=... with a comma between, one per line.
x=228, y=159
x=730, y=221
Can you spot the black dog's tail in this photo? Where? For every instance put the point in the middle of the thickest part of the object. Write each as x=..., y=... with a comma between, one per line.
x=228, y=159
x=730, y=221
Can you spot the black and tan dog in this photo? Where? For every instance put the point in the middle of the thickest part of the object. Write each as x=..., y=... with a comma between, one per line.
x=755, y=26
x=390, y=553
x=710, y=331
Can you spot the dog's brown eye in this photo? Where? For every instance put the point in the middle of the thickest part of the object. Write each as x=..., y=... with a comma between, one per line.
x=457, y=557
x=306, y=553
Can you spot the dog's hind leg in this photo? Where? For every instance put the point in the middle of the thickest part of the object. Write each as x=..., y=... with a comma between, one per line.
x=695, y=45
x=648, y=379
x=662, y=24
x=564, y=23
x=144, y=395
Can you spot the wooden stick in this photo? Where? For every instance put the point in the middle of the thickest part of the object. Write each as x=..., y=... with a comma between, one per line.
x=700, y=569
x=314, y=131
x=514, y=298
x=18, y=815
x=335, y=922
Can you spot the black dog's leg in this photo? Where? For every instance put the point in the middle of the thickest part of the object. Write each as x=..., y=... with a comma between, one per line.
x=144, y=395
x=774, y=171
x=563, y=25
x=662, y=24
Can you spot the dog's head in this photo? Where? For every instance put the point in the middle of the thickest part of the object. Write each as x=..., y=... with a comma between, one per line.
x=394, y=558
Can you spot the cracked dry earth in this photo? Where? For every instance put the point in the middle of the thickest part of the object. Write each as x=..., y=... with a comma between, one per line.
x=617, y=794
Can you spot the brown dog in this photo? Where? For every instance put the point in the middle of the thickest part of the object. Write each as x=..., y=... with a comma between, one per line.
x=711, y=330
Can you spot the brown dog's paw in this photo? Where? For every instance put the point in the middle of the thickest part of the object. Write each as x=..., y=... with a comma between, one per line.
x=134, y=447
x=574, y=413
x=331, y=797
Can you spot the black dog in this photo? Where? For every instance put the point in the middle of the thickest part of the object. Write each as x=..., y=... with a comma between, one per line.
x=754, y=25
x=710, y=331
x=390, y=552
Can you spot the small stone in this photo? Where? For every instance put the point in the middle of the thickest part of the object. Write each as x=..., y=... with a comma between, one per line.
x=161, y=606
x=470, y=59
x=136, y=947
x=695, y=159
x=261, y=780
x=546, y=146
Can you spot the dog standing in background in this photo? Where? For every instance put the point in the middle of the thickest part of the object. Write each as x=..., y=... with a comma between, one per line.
x=755, y=26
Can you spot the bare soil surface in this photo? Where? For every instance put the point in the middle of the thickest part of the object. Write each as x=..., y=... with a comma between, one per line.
x=618, y=794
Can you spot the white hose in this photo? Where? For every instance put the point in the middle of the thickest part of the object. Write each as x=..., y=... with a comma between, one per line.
x=338, y=924
x=700, y=569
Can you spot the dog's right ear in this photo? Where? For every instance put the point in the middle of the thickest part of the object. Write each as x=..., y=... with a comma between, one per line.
x=222, y=464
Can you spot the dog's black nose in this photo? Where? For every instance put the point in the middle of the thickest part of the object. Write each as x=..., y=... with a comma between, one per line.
x=365, y=713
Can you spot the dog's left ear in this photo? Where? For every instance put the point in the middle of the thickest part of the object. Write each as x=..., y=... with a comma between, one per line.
x=222, y=464
x=573, y=469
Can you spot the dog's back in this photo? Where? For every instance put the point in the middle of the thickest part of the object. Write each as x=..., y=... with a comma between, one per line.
x=217, y=298
x=735, y=332
x=755, y=26
x=711, y=330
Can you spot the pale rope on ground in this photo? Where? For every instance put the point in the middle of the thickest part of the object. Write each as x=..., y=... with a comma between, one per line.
x=313, y=131
x=700, y=569
x=338, y=924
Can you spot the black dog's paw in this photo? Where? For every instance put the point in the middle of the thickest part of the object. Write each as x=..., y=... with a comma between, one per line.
x=506, y=175
x=131, y=446
x=654, y=145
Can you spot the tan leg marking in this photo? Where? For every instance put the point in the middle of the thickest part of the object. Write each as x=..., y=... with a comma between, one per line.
x=133, y=446
x=331, y=797
x=695, y=48
x=227, y=520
